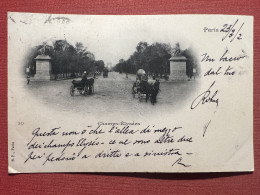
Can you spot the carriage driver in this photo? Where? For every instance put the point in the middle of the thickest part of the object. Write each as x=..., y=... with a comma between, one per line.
x=83, y=80
x=84, y=77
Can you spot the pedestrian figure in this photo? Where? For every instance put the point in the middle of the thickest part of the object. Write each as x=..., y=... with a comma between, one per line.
x=28, y=79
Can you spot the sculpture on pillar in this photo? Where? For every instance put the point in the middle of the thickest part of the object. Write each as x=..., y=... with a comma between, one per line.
x=43, y=64
x=177, y=65
x=42, y=51
x=176, y=51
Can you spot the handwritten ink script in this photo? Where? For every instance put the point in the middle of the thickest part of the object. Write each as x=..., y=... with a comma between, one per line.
x=112, y=93
x=60, y=145
x=47, y=20
x=231, y=31
x=217, y=70
x=62, y=20
x=206, y=97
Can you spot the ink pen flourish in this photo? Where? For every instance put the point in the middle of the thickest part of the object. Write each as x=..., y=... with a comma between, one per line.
x=206, y=97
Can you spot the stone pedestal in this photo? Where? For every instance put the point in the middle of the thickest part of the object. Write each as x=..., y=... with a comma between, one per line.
x=178, y=68
x=43, y=68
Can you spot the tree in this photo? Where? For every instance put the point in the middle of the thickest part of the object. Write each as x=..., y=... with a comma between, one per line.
x=141, y=47
x=100, y=65
x=191, y=63
x=66, y=58
x=79, y=51
x=154, y=59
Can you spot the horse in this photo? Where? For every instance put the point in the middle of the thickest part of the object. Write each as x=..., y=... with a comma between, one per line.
x=151, y=90
x=154, y=90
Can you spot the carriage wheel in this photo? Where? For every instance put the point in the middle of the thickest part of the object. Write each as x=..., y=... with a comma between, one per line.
x=90, y=90
x=72, y=90
x=85, y=90
x=152, y=100
x=146, y=97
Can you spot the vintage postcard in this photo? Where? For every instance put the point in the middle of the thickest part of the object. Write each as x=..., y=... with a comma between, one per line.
x=130, y=93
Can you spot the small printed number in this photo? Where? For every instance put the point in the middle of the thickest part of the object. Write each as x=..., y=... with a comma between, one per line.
x=20, y=123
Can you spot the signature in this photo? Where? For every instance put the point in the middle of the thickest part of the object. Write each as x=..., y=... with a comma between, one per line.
x=206, y=97
x=179, y=162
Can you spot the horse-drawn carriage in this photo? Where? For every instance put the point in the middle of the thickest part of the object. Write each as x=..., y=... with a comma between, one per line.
x=105, y=73
x=145, y=88
x=84, y=86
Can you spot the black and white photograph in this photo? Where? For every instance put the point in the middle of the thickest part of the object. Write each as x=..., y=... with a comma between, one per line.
x=86, y=72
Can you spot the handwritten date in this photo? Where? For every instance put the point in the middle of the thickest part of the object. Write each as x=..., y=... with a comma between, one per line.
x=232, y=31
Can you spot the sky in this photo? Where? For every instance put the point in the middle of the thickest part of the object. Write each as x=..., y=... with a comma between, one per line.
x=110, y=38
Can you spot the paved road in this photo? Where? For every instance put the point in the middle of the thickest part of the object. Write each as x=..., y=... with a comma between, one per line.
x=112, y=94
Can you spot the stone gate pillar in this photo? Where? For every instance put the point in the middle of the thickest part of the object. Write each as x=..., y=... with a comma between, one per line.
x=43, y=68
x=178, y=68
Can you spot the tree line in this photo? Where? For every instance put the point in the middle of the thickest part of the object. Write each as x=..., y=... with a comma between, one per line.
x=154, y=59
x=67, y=60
